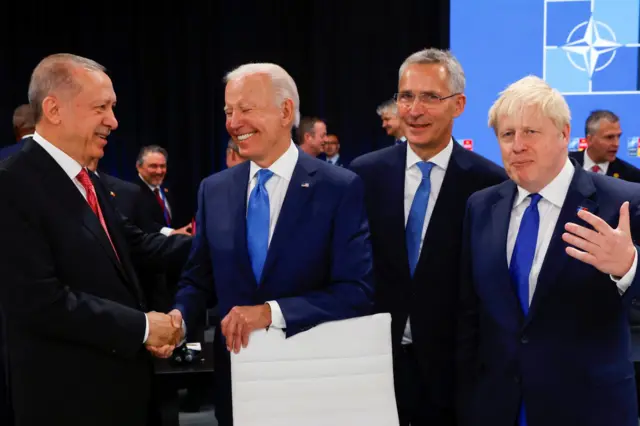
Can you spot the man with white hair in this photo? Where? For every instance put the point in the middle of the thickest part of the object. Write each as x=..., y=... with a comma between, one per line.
x=549, y=272
x=415, y=195
x=282, y=240
x=388, y=112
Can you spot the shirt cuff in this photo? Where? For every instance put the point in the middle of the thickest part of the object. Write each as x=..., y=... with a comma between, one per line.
x=146, y=329
x=277, y=319
x=624, y=282
x=166, y=231
x=184, y=330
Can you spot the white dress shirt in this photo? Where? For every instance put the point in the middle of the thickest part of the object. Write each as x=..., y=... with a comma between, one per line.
x=549, y=206
x=333, y=160
x=412, y=179
x=276, y=187
x=589, y=163
x=165, y=229
x=72, y=168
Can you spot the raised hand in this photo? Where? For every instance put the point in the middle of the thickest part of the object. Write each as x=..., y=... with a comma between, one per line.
x=609, y=250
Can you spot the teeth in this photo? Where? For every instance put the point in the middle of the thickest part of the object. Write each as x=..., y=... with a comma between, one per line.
x=245, y=136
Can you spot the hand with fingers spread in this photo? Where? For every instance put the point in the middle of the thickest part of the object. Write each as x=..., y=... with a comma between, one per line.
x=241, y=321
x=165, y=333
x=609, y=250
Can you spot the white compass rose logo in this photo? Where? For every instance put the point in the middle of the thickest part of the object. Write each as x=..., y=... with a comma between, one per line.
x=591, y=46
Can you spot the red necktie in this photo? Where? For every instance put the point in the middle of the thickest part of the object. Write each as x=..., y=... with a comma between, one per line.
x=167, y=218
x=92, y=199
x=596, y=169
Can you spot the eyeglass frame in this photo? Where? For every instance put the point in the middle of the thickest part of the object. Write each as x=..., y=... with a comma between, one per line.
x=436, y=99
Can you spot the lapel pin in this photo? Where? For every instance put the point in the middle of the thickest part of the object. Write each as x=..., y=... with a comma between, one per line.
x=616, y=175
x=166, y=190
x=113, y=194
x=583, y=208
x=305, y=185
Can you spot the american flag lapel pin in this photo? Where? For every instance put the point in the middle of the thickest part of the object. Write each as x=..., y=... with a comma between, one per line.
x=305, y=185
x=113, y=194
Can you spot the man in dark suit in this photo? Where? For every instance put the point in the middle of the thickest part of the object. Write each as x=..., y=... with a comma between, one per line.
x=603, y=132
x=23, y=127
x=75, y=316
x=549, y=272
x=415, y=268
x=157, y=207
x=123, y=194
x=332, y=153
x=282, y=240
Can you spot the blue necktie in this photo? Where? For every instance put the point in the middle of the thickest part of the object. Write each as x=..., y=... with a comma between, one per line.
x=418, y=211
x=521, y=261
x=258, y=223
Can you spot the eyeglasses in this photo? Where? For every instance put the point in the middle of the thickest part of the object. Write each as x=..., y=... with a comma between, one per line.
x=406, y=99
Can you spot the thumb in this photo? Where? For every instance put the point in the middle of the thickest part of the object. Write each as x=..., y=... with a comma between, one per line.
x=176, y=318
x=624, y=222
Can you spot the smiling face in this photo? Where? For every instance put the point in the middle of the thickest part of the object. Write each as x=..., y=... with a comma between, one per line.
x=260, y=127
x=83, y=118
x=533, y=149
x=428, y=125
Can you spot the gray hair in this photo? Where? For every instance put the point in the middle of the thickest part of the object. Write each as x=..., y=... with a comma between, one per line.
x=593, y=121
x=437, y=56
x=233, y=146
x=24, y=118
x=283, y=83
x=146, y=150
x=526, y=92
x=55, y=73
x=387, y=106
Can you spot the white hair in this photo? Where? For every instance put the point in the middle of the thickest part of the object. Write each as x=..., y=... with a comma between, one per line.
x=526, y=92
x=283, y=83
x=387, y=106
x=437, y=56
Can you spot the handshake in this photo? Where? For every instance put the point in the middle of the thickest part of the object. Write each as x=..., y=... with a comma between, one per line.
x=165, y=333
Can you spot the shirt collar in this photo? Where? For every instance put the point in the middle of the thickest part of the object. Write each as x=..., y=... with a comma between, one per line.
x=589, y=163
x=282, y=167
x=70, y=166
x=441, y=159
x=556, y=191
x=334, y=159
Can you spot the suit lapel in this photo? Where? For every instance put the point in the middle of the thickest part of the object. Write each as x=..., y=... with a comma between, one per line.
x=581, y=194
x=299, y=192
x=57, y=182
x=499, y=231
x=237, y=203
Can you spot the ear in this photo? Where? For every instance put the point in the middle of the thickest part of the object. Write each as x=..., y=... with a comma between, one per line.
x=51, y=109
x=566, y=132
x=287, y=112
x=461, y=102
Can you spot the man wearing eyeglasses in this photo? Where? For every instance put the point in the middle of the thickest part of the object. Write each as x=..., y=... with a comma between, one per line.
x=416, y=195
x=332, y=151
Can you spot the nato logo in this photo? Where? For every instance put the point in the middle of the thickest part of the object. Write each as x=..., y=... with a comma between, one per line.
x=633, y=146
x=591, y=46
x=577, y=144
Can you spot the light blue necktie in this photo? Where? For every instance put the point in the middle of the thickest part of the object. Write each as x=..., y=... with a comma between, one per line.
x=521, y=262
x=418, y=211
x=258, y=223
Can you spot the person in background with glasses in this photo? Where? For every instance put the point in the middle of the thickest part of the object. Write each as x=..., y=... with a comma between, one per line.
x=332, y=151
x=416, y=195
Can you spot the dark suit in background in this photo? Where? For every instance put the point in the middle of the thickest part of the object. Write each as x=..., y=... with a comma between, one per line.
x=123, y=194
x=569, y=357
x=74, y=311
x=621, y=168
x=429, y=297
x=151, y=216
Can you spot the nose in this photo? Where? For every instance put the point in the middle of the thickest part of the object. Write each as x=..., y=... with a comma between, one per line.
x=518, y=143
x=110, y=120
x=233, y=121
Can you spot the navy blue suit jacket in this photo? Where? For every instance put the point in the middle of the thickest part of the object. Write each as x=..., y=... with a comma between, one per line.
x=8, y=151
x=318, y=266
x=430, y=297
x=617, y=168
x=569, y=357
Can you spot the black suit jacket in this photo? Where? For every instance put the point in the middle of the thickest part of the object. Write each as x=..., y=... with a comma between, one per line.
x=618, y=168
x=150, y=217
x=74, y=311
x=123, y=194
x=430, y=296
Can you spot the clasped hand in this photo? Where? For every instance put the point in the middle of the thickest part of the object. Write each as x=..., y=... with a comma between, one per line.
x=165, y=333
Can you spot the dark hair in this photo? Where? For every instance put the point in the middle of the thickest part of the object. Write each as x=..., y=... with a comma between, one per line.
x=151, y=149
x=593, y=121
x=306, y=126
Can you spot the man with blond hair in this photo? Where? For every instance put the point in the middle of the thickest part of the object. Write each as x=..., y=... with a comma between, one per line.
x=549, y=272
x=282, y=240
